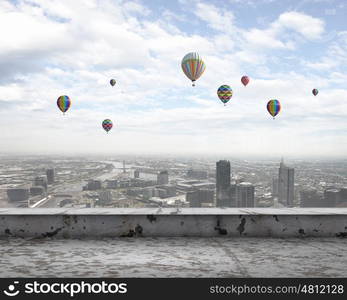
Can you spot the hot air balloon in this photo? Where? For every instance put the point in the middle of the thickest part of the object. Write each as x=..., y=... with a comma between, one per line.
x=224, y=93
x=112, y=82
x=107, y=125
x=273, y=107
x=64, y=103
x=193, y=66
x=245, y=80
x=315, y=92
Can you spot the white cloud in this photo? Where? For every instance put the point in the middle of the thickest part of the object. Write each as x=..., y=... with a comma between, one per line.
x=309, y=27
x=265, y=39
x=216, y=18
x=279, y=35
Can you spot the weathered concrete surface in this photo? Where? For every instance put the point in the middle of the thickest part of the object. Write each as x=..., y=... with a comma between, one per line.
x=174, y=257
x=149, y=222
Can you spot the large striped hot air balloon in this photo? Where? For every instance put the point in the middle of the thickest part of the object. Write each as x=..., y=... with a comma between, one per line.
x=64, y=103
x=315, y=92
x=273, y=107
x=107, y=125
x=224, y=93
x=193, y=66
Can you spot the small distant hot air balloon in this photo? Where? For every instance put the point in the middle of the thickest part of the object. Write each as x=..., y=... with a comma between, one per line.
x=245, y=80
x=112, y=82
x=224, y=93
x=273, y=107
x=193, y=66
x=107, y=125
x=315, y=92
x=64, y=103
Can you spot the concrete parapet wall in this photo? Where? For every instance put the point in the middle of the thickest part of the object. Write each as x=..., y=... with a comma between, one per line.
x=149, y=222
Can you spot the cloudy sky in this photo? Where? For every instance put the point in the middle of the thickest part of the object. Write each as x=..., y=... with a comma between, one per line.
x=63, y=47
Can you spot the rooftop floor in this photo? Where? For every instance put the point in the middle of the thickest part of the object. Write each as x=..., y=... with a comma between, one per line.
x=174, y=257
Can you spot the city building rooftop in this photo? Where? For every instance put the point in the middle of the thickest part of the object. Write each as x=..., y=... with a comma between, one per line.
x=173, y=257
x=170, y=242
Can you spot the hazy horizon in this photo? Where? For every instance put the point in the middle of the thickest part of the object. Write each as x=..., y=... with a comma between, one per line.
x=169, y=155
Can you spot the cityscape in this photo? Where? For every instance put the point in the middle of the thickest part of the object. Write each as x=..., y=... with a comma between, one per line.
x=155, y=181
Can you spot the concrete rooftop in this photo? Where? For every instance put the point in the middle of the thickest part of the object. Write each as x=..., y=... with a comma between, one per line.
x=174, y=257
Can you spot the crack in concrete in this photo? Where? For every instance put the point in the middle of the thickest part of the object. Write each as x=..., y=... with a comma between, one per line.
x=241, y=268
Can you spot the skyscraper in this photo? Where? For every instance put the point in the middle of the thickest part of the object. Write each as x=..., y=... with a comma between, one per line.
x=50, y=176
x=163, y=177
x=274, y=187
x=41, y=181
x=285, y=185
x=223, y=183
x=244, y=195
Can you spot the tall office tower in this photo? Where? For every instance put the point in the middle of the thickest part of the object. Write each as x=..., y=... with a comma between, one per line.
x=50, y=176
x=285, y=185
x=223, y=183
x=232, y=195
x=245, y=194
x=274, y=187
x=163, y=177
x=136, y=174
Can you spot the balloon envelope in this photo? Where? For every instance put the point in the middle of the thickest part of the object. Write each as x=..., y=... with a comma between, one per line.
x=64, y=103
x=315, y=92
x=193, y=66
x=224, y=93
x=107, y=125
x=273, y=107
x=244, y=80
x=112, y=82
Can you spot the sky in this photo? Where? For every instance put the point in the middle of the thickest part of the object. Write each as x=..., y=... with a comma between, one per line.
x=63, y=47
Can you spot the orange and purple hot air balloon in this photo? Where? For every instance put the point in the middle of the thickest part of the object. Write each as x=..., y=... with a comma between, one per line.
x=64, y=103
x=107, y=125
x=315, y=92
x=245, y=80
x=273, y=107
